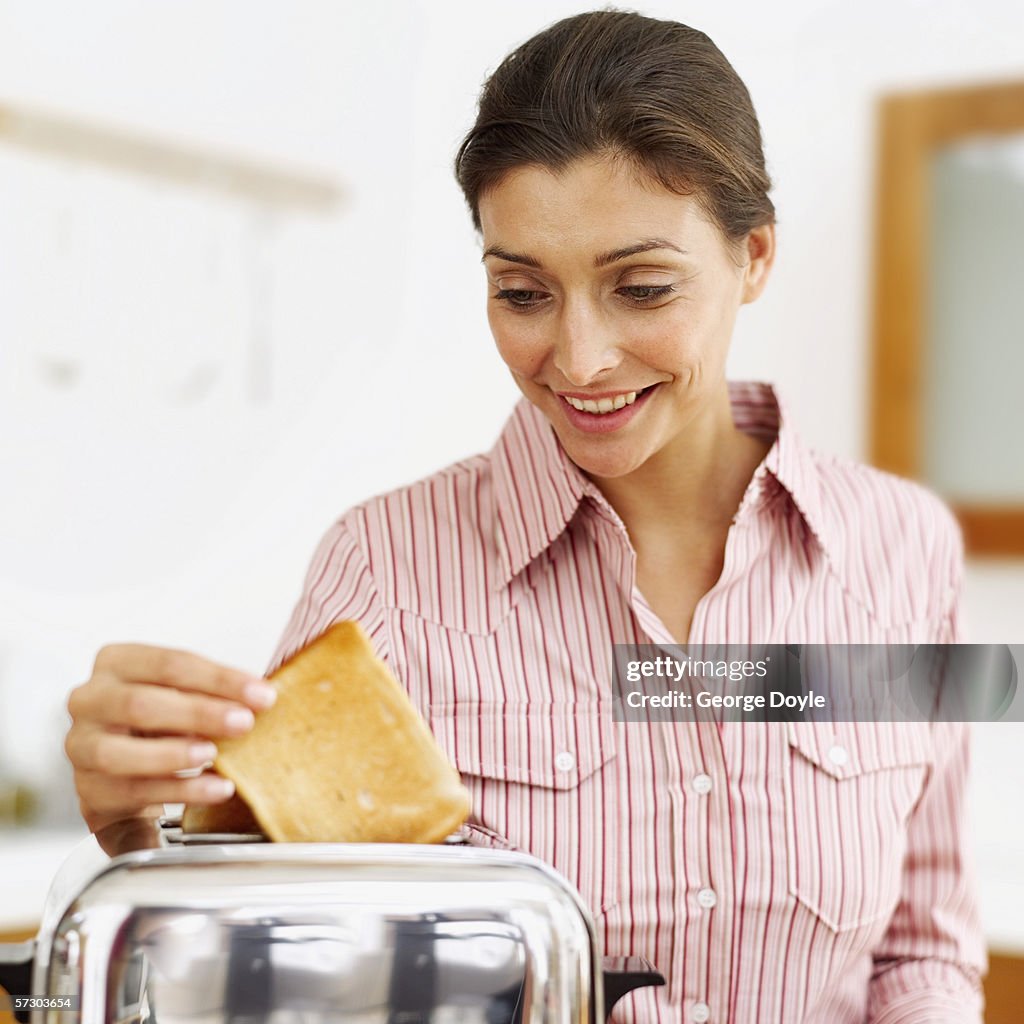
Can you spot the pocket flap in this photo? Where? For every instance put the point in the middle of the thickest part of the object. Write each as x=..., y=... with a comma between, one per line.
x=556, y=747
x=846, y=749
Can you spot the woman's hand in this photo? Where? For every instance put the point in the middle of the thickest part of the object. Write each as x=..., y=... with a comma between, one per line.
x=147, y=713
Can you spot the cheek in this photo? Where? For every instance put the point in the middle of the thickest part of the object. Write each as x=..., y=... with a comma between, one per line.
x=675, y=343
x=521, y=346
x=693, y=336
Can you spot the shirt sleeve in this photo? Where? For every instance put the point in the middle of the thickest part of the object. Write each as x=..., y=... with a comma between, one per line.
x=928, y=966
x=339, y=586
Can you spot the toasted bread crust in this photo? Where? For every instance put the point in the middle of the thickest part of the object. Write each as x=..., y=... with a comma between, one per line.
x=232, y=816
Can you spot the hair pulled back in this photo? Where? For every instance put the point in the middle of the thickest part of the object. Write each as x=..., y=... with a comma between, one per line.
x=656, y=93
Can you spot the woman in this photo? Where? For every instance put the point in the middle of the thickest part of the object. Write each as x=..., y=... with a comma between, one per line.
x=773, y=872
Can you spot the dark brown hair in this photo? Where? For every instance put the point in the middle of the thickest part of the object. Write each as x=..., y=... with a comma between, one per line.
x=657, y=93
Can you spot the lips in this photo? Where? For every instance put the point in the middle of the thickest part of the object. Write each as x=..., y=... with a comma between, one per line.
x=602, y=413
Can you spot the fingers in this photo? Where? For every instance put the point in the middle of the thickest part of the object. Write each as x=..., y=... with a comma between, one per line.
x=95, y=750
x=114, y=796
x=156, y=710
x=183, y=670
x=147, y=714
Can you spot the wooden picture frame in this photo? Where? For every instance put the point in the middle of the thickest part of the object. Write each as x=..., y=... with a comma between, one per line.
x=912, y=127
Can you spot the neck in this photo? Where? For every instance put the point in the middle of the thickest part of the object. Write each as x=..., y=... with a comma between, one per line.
x=696, y=481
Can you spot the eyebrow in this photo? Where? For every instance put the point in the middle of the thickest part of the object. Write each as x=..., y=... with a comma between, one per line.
x=647, y=245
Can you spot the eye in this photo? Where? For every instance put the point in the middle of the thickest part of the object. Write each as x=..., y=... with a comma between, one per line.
x=519, y=298
x=646, y=294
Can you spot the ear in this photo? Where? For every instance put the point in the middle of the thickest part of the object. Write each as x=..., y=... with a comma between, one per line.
x=760, y=248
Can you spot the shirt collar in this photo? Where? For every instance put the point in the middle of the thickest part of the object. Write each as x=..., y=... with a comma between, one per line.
x=538, y=488
x=758, y=409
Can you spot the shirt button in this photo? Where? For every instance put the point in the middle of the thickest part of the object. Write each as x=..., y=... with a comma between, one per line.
x=707, y=898
x=700, y=1013
x=701, y=784
x=564, y=761
x=838, y=755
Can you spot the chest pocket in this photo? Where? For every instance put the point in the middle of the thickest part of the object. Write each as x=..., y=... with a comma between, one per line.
x=542, y=779
x=850, y=791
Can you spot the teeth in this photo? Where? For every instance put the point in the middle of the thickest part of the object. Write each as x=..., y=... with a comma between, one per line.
x=603, y=405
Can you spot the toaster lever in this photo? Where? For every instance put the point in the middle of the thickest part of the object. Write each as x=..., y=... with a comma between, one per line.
x=622, y=974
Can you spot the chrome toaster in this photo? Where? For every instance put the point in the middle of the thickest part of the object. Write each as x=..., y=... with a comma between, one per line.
x=247, y=932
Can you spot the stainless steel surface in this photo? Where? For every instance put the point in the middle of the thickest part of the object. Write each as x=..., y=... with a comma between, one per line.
x=357, y=934
x=144, y=924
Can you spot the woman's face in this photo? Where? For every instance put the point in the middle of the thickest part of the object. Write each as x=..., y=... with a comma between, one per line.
x=606, y=288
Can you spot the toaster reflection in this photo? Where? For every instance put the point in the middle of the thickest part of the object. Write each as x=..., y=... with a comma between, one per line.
x=173, y=966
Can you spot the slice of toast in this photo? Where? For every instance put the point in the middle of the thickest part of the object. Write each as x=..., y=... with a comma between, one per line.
x=232, y=816
x=343, y=756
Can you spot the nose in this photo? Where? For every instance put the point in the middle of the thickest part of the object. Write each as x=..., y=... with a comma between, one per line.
x=587, y=345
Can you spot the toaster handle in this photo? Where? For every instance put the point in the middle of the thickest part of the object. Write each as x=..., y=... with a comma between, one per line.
x=622, y=974
x=16, y=959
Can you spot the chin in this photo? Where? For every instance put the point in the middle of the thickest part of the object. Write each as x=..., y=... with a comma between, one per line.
x=614, y=461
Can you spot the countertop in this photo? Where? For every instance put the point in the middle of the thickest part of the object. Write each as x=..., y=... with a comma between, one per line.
x=29, y=858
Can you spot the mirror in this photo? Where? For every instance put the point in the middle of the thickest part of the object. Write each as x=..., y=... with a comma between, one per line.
x=949, y=304
x=973, y=441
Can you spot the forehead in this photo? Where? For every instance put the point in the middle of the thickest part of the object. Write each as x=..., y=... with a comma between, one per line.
x=595, y=204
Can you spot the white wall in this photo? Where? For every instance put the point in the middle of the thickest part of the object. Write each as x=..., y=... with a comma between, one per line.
x=136, y=505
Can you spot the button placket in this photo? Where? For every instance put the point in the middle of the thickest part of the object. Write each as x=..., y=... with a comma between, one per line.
x=704, y=769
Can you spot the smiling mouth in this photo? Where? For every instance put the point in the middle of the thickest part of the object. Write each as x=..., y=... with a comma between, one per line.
x=603, y=406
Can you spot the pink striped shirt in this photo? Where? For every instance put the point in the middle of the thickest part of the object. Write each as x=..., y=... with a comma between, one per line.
x=768, y=877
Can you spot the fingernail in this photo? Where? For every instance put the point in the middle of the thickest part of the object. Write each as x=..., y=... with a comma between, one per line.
x=239, y=719
x=200, y=753
x=217, y=787
x=260, y=693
